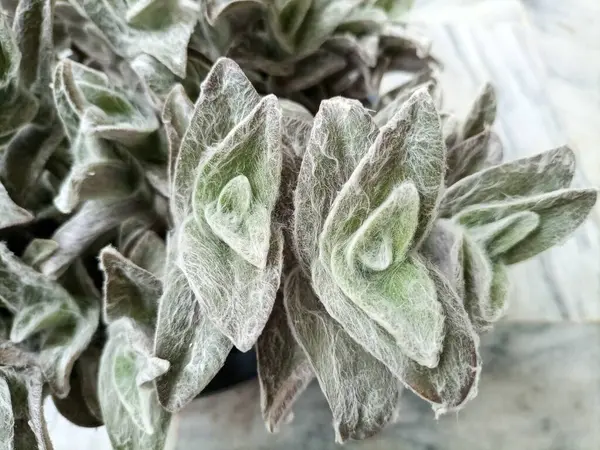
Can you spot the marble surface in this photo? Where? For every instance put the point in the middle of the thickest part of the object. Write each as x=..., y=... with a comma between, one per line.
x=540, y=387
x=540, y=390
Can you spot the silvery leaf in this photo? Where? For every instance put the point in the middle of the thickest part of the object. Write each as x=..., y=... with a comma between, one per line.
x=472, y=155
x=11, y=214
x=501, y=236
x=284, y=372
x=286, y=18
x=45, y=313
x=362, y=393
x=226, y=98
x=297, y=122
x=25, y=157
x=310, y=72
x=90, y=222
x=238, y=184
x=241, y=310
x=342, y=133
x=129, y=290
x=364, y=19
x=513, y=180
x=560, y=213
x=176, y=114
x=382, y=212
x=218, y=8
x=185, y=337
x=449, y=385
x=161, y=28
x=133, y=416
x=22, y=423
x=149, y=252
x=482, y=113
x=115, y=114
x=38, y=251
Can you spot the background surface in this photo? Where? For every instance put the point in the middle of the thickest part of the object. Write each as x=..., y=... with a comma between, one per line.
x=540, y=387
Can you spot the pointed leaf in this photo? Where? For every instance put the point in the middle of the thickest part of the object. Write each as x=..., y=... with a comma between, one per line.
x=133, y=417
x=176, y=114
x=341, y=136
x=501, y=236
x=284, y=372
x=534, y=175
x=449, y=385
x=482, y=113
x=560, y=213
x=185, y=337
x=234, y=294
x=226, y=98
x=129, y=290
x=474, y=154
x=341, y=366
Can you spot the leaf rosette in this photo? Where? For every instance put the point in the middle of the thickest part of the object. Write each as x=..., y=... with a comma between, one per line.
x=366, y=199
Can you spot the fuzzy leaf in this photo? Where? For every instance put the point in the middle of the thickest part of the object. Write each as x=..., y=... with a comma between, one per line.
x=149, y=253
x=22, y=423
x=449, y=385
x=129, y=290
x=364, y=218
x=501, y=236
x=234, y=294
x=560, y=213
x=238, y=208
x=176, y=114
x=10, y=213
x=482, y=113
x=161, y=28
x=533, y=175
x=341, y=136
x=225, y=99
x=474, y=154
x=185, y=337
x=94, y=219
x=284, y=372
x=133, y=417
x=45, y=310
x=361, y=392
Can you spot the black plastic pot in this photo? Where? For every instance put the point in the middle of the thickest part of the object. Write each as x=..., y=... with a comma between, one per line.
x=239, y=367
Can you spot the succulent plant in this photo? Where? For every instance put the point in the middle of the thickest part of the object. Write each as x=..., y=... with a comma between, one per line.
x=179, y=179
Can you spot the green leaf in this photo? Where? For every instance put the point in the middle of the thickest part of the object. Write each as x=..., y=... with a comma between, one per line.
x=160, y=28
x=238, y=208
x=226, y=98
x=46, y=313
x=544, y=172
x=225, y=284
x=176, y=114
x=22, y=423
x=482, y=113
x=560, y=213
x=341, y=366
x=90, y=222
x=10, y=213
x=132, y=414
x=284, y=372
x=472, y=155
x=365, y=218
x=341, y=136
x=501, y=236
x=129, y=290
x=149, y=253
x=185, y=337
x=449, y=385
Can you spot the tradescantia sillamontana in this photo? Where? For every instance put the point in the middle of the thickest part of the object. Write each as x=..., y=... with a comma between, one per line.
x=182, y=180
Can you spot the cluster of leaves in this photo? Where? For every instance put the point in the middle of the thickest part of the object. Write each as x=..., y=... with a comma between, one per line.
x=362, y=242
